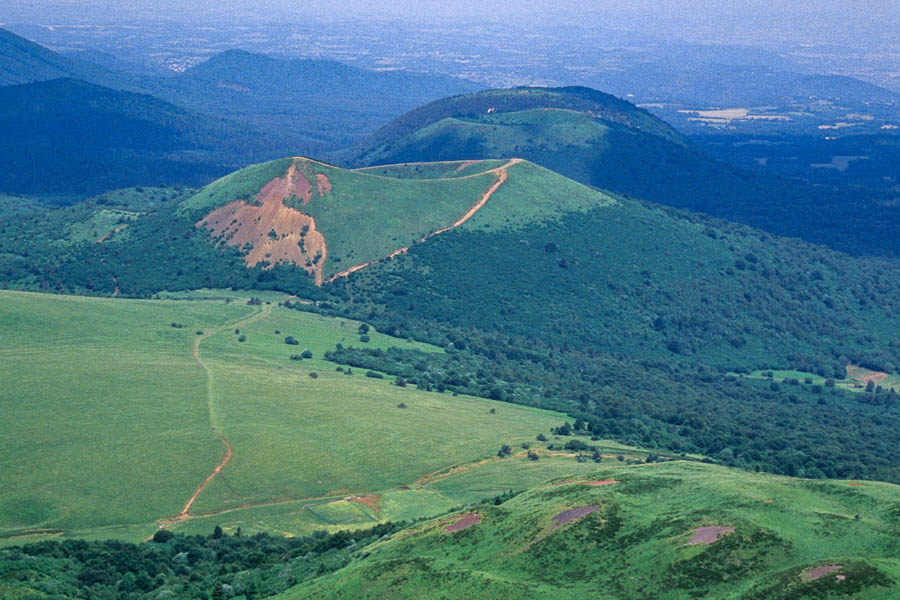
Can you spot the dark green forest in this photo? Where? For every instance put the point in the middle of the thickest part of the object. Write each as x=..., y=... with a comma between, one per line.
x=216, y=566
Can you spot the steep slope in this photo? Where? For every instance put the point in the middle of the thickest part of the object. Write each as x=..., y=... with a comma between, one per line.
x=303, y=105
x=73, y=137
x=608, y=143
x=678, y=530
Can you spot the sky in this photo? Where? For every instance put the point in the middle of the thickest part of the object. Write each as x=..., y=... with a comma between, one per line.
x=812, y=20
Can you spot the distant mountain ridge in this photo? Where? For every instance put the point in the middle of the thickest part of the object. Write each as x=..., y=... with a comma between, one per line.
x=244, y=107
x=73, y=137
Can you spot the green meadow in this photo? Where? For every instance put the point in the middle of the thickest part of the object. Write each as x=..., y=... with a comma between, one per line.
x=107, y=417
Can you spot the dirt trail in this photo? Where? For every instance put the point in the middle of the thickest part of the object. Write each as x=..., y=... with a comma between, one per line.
x=184, y=515
x=501, y=178
x=106, y=235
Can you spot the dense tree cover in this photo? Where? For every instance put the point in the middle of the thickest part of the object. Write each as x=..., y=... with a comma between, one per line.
x=178, y=566
x=56, y=249
x=636, y=281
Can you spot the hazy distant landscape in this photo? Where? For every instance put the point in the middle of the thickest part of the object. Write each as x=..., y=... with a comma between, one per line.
x=449, y=301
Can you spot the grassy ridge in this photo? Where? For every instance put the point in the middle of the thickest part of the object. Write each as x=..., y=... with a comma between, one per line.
x=634, y=544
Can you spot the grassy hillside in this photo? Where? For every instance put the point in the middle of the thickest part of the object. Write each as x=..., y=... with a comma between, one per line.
x=130, y=396
x=634, y=540
x=359, y=217
x=608, y=143
x=631, y=318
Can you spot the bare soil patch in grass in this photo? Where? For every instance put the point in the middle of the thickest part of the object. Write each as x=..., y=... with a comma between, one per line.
x=463, y=521
x=819, y=572
x=273, y=232
x=599, y=483
x=709, y=535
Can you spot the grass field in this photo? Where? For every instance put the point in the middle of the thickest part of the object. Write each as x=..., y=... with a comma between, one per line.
x=106, y=416
x=635, y=542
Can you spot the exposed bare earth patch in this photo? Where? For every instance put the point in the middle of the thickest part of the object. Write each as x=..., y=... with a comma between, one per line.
x=463, y=521
x=371, y=501
x=864, y=375
x=270, y=231
x=466, y=165
x=818, y=572
x=709, y=535
x=573, y=514
x=106, y=235
x=600, y=482
x=563, y=482
x=323, y=184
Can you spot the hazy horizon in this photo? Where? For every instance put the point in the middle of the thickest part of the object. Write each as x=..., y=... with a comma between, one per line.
x=678, y=18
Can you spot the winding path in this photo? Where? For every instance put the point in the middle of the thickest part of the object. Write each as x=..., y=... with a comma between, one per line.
x=210, y=402
x=501, y=178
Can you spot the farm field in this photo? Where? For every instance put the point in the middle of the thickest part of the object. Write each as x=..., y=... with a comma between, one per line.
x=126, y=412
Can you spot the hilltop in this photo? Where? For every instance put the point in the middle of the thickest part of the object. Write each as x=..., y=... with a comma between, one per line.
x=301, y=105
x=606, y=142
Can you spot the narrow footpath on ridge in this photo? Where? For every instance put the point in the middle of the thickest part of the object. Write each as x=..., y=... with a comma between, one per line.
x=501, y=178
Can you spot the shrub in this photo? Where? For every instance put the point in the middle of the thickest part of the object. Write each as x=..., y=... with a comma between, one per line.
x=532, y=455
x=364, y=338
x=162, y=536
x=290, y=341
x=242, y=338
x=374, y=375
x=314, y=375
x=307, y=353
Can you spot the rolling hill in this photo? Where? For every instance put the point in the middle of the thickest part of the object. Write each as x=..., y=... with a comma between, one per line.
x=74, y=138
x=678, y=530
x=547, y=292
x=608, y=143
